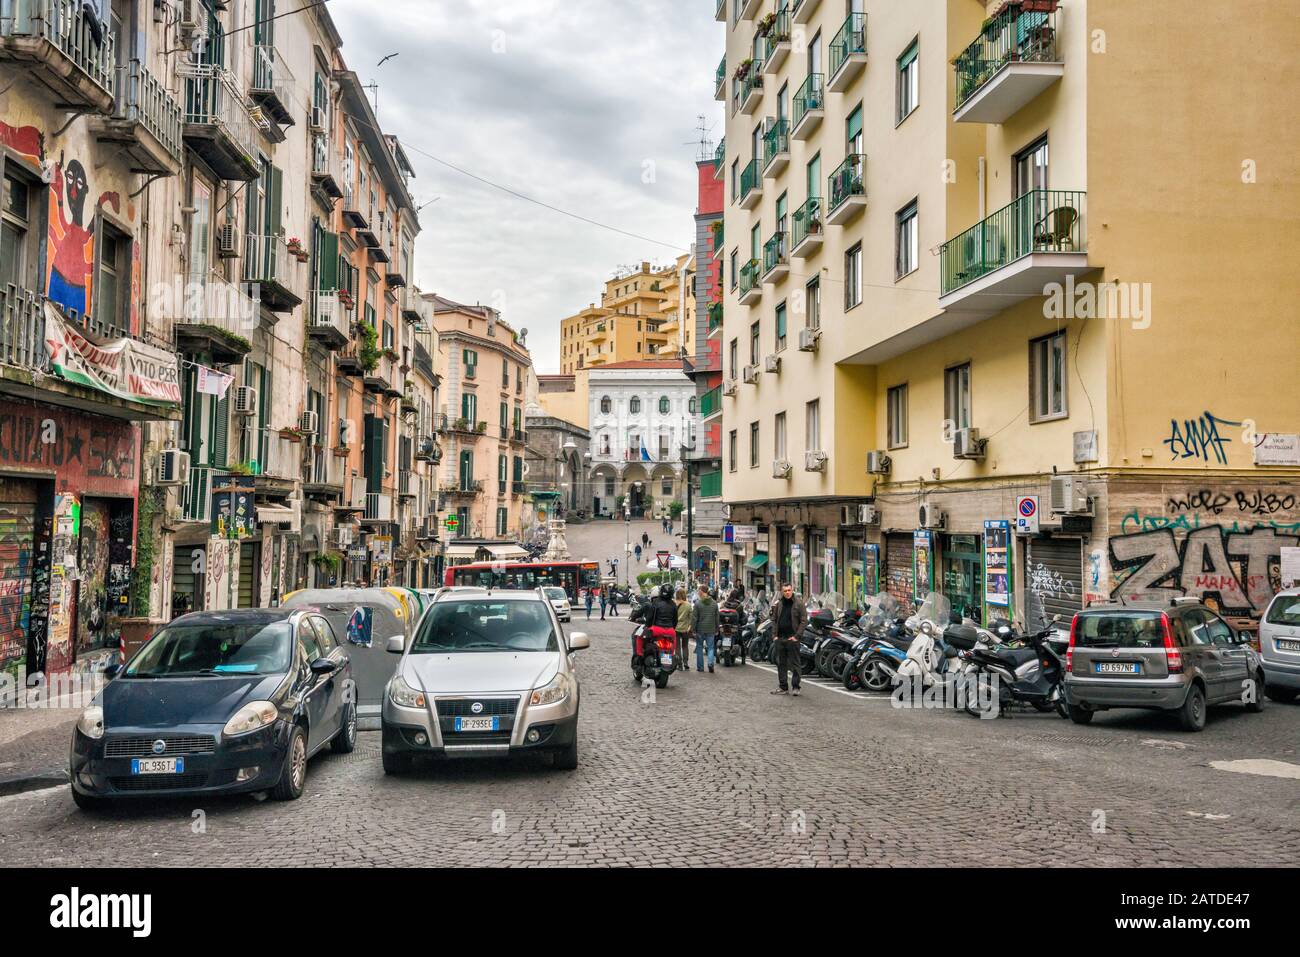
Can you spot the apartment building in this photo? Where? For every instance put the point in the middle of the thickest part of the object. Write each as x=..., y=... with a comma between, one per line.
x=485, y=367
x=628, y=325
x=678, y=309
x=974, y=253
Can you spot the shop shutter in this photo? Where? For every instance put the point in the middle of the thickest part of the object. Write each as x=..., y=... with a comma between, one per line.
x=248, y=571
x=899, y=573
x=17, y=530
x=1053, y=581
x=187, y=595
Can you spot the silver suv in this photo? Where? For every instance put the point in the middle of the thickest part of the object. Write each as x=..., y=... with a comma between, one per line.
x=1279, y=646
x=1179, y=657
x=486, y=674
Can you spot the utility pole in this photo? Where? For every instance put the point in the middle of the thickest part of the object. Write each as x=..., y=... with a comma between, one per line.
x=690, y=523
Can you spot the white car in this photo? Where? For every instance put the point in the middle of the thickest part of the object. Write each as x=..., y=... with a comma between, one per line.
x=487, y=674
x=559, y=600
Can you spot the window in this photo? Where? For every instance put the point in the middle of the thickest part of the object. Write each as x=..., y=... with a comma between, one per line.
x=755, y=337
x=956, y=399
x=908, y=254
x=634, y=407
x=733, y=354
x=692, y=405
x=909, y=81
x=505, y=375
x=778, y=437
x=897, y=411
x=503, y=521
x=609, y=485
x=813, y=426
x=1047, y=378
x=665, y=406
x=665, y=452
x=735, y=180
x=812, y=295
x=753, y=445
x=733, y=452
x=853, y=277
x=853, y=133
x=666, y=488
x=735, y=268
x=606, y=406
x=503, y=466
x=469, y=409
x=780, y=327
x=466, y=473
x=17, y=259
x=470, y=358
x=113, y=296
x=1031, y=168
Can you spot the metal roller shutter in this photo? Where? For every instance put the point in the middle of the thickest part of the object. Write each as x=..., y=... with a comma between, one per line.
x=1053, y=580
x=248, y=574
x=187, y=593
x=17, y=530
x=899, y=574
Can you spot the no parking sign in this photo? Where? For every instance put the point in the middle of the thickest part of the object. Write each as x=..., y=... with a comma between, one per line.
x=1027, y=515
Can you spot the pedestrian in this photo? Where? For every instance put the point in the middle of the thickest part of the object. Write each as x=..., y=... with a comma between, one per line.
x=590, y=600
x=602, y=604
x=613, y=602
x=685, y=621
x=645, y=539
x=706, y=629
x=791, y=618
x=637, y=551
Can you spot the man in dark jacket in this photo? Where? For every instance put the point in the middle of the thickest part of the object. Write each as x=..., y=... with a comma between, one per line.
x=706, y=629
x=789, y=619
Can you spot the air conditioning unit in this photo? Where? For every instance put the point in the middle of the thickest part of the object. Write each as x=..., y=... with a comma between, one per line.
x=815, y=461
x=878, y=463
x=729, y=388
x=808, y=339
x=967, y=444
x=781, y=470
x=343, y=536
x=173, y=467
x=228, y=241
x=309, y=424
x=932, y=518
x=868, y=515
x=317, y=119
x=750, y=375
x=1069, y=495
x=194, y=19
x=245, y=400
x=772, y=364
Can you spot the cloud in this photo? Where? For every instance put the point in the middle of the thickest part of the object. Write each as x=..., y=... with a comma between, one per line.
x=569, y=103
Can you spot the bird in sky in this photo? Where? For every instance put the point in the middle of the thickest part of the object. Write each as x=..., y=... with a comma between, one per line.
x=387, y=58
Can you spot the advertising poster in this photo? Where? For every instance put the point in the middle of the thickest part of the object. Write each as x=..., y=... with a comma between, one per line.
x=923, y=563
x=997, y=564
x=233, y=512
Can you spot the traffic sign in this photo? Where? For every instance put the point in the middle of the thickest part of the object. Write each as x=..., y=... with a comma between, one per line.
x=1027, y=515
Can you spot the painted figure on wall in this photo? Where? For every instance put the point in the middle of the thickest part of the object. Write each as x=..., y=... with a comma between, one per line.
x=72, y=240
x=27, y=141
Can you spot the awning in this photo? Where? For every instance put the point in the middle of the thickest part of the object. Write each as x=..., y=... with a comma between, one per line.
x=757, y=563
x=461, y=551
x=507, y=553
x=275, y=515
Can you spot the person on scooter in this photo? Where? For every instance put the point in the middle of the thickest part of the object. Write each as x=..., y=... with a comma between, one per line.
x=661, y=615
x=791, y=618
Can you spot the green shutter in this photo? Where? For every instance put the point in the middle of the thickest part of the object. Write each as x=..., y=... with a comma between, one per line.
x=855, y=125
x=220, y=429
x=274, y=201
x=906, y=59
x=329, y=261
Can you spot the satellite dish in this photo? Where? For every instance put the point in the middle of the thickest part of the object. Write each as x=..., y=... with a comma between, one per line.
x=523, y=336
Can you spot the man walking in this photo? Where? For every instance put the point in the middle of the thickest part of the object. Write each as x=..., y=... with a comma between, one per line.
x=590, y=601
x=706, y=629
x=791, y=618
x=602, y=604
x=613, y=601
x=685, y=622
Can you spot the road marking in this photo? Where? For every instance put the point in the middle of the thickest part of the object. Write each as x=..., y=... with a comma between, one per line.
x=819, y=683
x=1261, y=767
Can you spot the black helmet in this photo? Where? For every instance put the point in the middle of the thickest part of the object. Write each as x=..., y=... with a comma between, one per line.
x=666, y=591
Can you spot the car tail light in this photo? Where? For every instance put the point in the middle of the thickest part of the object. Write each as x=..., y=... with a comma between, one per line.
x=1069, y=652
x=1174, y=656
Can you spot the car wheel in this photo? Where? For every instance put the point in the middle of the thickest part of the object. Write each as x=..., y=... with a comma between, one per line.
x=85, y=802
x=1079, y=714
x=293, y=773
x=1256, y=705
x=345, y=742
x=567, y=760
x=396, y=763
x=1192, y=714
x=1280, y=695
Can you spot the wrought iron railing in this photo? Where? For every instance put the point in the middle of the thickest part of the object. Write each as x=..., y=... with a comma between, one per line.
x=1042, y=220
x=1015, y=35
x=64, y=24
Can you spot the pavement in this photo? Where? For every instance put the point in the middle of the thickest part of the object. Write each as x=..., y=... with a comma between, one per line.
x=715, y=771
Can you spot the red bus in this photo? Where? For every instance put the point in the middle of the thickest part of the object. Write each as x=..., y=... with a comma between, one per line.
x=571, y=576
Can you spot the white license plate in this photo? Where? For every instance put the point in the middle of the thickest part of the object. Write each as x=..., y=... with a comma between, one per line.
x=1285, y=645
x=726, y=642
x=158, y=766
x=470, y=725
x=1118, y=668
x=666, y=661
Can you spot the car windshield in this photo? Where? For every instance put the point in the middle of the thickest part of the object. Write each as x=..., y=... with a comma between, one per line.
x=1120, y=630
x=557, y=594
x=215, y=649
x=1285, y=611
x=485, y=625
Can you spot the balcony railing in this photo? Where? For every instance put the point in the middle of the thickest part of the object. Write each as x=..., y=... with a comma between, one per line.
x=715, y=315
x=212, y=303
x=328, y=320
x=62, y=24
x=751, y=178
x=749, y=276
x=777, y=34
x=775, y=252
x=142, y=99
x=196, y=497
x=326, y=169
x=753, y=82
x=720, y=81
x=776, y=142
x=847, y=181
x=273, y=83
x=711, y=402
x=1042, y=220
x=849, y=41
x=379, y=507
x=276, y=271
x=807, y=221
x=1015, y=36
x=720, y=159
x=811, y=96
x=217, y=123
x=22, y=337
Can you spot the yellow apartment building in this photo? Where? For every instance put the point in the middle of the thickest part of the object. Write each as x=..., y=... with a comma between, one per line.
x=627, y=326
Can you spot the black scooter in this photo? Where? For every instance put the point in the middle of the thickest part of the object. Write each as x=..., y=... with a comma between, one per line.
x=1031, y=675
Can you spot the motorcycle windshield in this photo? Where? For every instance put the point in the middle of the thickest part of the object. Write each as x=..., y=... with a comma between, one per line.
x=937, y=610
x=882, y=609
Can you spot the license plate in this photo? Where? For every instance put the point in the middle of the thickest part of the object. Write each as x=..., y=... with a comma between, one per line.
x=1285, y=645
x=666, y=661
x=726, y=642
x=470, y=725
x=158, y=766
x=1118, y=668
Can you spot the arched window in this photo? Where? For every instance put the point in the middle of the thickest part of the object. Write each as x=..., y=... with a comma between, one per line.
x=692, y=405
x=606, y=406
x=665, y=405
x=635, y=406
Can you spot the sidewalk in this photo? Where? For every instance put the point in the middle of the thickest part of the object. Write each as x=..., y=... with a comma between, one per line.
x=34, y=748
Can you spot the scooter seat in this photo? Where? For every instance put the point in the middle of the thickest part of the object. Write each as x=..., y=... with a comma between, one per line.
x=1017, y=656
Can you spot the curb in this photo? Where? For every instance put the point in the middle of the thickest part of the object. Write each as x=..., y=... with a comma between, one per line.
x=33, y=782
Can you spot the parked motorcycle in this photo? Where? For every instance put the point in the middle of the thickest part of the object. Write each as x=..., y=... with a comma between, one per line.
x=1029, y=670
x=884, y=642
x=732, y=629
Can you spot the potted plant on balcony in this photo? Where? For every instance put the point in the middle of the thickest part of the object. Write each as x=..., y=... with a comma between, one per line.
x=297, y=249
x=345, y=297
x=764, y=26
x=481, y=428
x=291, y=435
x=391, y=354
x=342, y=451
x=742, y=71
x=461, y=425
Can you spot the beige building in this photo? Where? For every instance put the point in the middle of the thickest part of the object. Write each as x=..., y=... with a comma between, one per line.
x=628, y=325
x=948, y=222
x=565, y=397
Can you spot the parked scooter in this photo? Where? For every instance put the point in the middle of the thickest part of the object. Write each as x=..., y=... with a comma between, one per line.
x=1028, y=670
x=883, y=635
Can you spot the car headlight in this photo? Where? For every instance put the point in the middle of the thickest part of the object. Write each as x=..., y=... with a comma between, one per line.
x=91, y=723
x=553, y=693
x=251, y=717
x=404, y=696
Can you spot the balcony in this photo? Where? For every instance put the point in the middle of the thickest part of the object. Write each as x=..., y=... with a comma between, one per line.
x=751, y=290
x=1040, y=238
x=807, y=235
x=720, y=161
x=519, y=488
x=1014, y=59
x=848, y=53
x=519, y=437
x=720, y=14
x=715, y=316
x=326, y=476
x=275, y=273
x=463, y=428
x=468, y=488
x=720, y=81
x=751, y=89
x=422, y=362
x=326, y=171
x=711, y=403
x=379, y=509
x=52, y=41
x=749, y=9
x=776, y=259
x=848, y=190
x=215, y=317
x=776, y=41
x=809, y=106
x=408, y=484
x=751, y=185
x=776, y=148
x=413, y=308
x=328, y=321
x=718, y=235
x=196, y=497
x=273, y=85
x=217, y=124
x=383, y=379
x=145, y=123
x=801, y=11
x=354, y=216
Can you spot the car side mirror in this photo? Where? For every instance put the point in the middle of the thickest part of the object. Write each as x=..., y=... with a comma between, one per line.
x=578, y=641
x=112, y=671
x=323, y=666
x=396, y=645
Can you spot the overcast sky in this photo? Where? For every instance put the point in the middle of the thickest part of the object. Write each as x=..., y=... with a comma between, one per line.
x=572, y=102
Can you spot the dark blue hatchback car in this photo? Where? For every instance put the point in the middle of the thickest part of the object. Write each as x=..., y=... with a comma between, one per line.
x=217, y=703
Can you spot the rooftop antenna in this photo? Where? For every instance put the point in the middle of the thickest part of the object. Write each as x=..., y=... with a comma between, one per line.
x=373, y=87
x=704, y=143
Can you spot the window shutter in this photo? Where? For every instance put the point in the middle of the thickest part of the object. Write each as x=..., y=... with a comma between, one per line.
x=329, y=261
x=220, y=429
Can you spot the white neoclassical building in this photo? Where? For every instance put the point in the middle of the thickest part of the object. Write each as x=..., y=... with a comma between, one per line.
x=642, y=414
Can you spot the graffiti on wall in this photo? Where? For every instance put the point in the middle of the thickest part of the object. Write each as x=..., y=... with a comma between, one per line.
x=1221, y=545
x=93, y=455
x=1199, y=439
